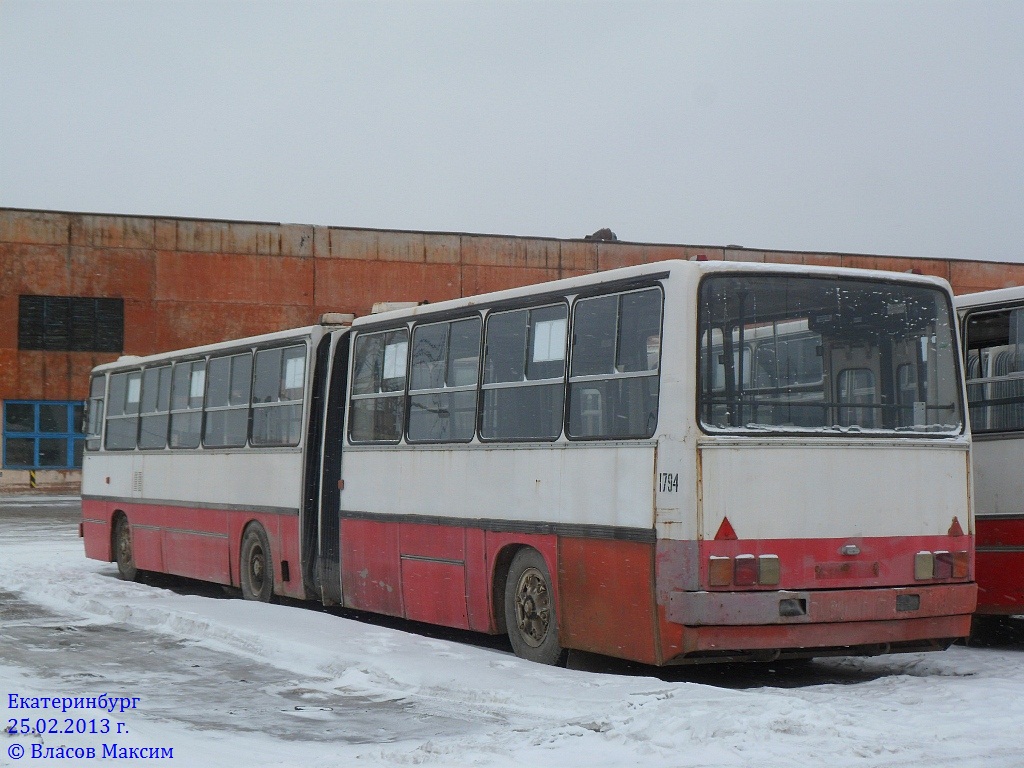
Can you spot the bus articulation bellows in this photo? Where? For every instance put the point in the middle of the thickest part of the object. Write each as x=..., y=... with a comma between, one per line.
x=670, y=463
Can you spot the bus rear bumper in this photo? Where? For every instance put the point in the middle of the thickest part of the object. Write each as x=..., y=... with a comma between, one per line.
x=794, y=607
x=734, y=626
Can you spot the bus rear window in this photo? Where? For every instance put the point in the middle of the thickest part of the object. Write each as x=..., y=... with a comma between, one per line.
x=808, y=354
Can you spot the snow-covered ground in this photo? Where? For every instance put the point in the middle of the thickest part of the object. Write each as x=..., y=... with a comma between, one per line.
x=224, y=682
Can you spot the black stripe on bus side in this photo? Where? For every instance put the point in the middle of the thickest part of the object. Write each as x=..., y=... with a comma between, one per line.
x=197, y=505
x=188, y=531
x=571, y=530
x=438, y=560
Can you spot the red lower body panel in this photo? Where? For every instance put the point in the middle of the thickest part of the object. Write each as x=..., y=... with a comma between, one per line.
x=607, y=606
x=1000, y=564
x=439, y=574
x=193, y=542
x=630, y=599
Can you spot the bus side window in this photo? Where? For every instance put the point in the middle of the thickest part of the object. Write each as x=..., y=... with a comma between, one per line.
x=442, y=383
x=616, y=355
x=277, y=393
x=188, y=382
x=123, y=411
x=156, y=403
x=94, y=428
x=524, y=370
x=227, y=401
x=377, y=406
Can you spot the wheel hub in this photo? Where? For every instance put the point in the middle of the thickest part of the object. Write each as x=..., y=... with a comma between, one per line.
x=532, y=607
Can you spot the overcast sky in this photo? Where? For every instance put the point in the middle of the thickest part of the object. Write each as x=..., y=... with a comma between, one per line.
x=877, y=127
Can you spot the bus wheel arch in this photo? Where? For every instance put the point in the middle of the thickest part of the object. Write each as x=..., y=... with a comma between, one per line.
x=499, y=578
x=121, y=547
x=256, y=564
x=530, y=610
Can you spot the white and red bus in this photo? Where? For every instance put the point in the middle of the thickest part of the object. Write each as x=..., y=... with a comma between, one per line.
x=671, y=463
x=992, y=327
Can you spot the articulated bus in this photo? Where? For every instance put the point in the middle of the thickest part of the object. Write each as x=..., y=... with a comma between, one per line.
x=671, y=463
x=992, y=327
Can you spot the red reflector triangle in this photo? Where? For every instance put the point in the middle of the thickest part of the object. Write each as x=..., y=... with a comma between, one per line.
x=725, y=531
x=955, y=529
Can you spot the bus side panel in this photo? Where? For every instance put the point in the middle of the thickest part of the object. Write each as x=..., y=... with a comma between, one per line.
x=1000, y=565
x=478, y=582
x=147, y=536
x=998, y=479
x=433, y=574
x=288, y=548
x=96, y=531
x=999, y=490
x=370, y=570
x=607, y=598
x=193, y=542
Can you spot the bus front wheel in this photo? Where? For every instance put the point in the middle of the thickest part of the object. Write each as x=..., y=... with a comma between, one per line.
x=530, y=614
x=123, y=549
x=257, y=567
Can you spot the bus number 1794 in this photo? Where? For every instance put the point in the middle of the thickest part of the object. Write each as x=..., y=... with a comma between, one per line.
x=668, y=482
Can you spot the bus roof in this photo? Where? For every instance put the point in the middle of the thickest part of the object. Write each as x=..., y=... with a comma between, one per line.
x=997, y=296
x=695, y=268
x=134, y=361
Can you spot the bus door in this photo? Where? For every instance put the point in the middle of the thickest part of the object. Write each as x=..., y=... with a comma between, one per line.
x=322, y=466
x=329, y=558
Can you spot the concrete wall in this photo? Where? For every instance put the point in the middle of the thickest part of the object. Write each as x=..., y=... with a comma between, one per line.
x=190, y=281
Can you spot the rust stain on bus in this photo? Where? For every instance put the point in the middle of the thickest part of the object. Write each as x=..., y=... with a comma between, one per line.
x=700, y=494
x=970, y=492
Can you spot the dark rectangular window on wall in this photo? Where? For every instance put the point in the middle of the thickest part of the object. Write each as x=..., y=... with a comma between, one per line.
x=70, y=324
x=42, y=434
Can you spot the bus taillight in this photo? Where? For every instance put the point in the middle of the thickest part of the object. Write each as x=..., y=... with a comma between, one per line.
x=769, y=570
x=744, y=571
x=941, y=565
x=720, y=571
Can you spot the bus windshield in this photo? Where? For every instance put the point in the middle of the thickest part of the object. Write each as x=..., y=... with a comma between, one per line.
x=792, y=353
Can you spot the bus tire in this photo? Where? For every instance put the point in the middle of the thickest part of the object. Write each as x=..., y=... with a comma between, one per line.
x=256, y=565
x=123, y=553
x=530, y=614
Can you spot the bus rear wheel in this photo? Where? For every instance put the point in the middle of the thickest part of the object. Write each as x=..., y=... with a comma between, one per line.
x=530, y=614
x=257, y=566
x=123, y=549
